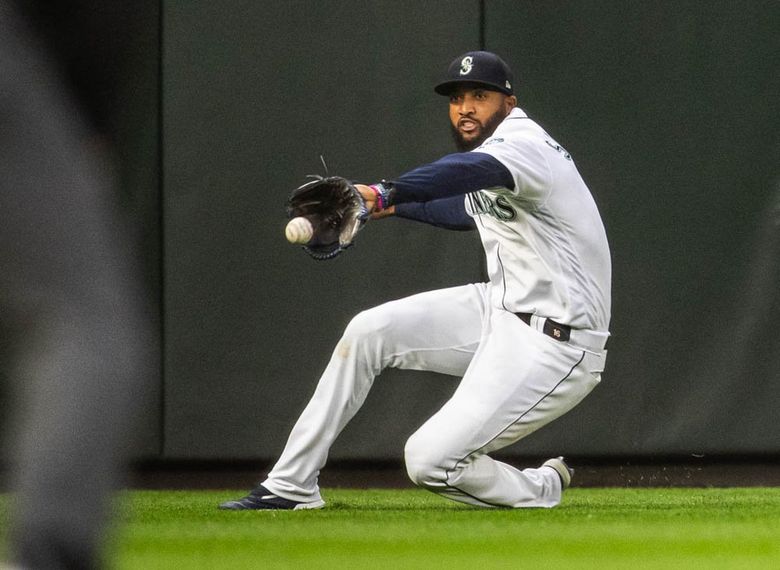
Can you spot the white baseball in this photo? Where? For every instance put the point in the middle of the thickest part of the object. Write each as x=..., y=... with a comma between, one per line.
x=299, y=230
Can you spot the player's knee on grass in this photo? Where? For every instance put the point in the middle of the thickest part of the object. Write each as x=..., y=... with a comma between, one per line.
x=424, y=465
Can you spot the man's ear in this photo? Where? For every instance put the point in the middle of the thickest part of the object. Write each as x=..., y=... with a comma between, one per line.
x=510, y=103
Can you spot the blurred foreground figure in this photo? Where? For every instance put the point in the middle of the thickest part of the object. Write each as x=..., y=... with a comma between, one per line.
x=72, y=308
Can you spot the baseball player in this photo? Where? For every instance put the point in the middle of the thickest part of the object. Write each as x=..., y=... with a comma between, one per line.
x=528, y=344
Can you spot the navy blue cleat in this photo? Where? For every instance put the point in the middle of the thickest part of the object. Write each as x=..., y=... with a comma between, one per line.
x=261, y=499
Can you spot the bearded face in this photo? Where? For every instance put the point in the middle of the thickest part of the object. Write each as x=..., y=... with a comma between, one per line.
x=475, y=112
x=469, y=133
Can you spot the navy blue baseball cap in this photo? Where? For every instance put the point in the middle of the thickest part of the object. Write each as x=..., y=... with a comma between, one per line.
x=482, y=67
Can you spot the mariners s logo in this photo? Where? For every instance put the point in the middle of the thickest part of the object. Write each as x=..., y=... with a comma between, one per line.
x=466, y=65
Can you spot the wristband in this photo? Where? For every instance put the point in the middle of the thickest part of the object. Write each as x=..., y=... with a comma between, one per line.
x=382, y=191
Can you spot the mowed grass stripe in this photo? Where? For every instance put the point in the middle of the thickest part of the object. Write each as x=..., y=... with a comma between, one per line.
x=593, y=528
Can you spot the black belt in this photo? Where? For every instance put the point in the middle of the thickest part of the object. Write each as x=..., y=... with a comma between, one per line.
x=551, y=328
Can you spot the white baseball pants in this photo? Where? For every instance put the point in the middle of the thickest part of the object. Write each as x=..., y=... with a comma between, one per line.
x=515, y=380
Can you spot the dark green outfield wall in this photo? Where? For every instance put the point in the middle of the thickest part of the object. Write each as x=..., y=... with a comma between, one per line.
x=670, y=110
x=254, y=93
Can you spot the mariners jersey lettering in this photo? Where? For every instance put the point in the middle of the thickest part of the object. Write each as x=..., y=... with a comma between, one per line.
x=546, y=247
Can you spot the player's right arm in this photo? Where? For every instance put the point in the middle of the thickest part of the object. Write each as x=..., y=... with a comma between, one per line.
x=449, y=213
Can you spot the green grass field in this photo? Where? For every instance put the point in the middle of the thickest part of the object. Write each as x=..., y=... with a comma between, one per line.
x=594, y=528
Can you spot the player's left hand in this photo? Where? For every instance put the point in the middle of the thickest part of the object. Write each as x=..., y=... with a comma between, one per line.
x=331, y=211
x=369, y=196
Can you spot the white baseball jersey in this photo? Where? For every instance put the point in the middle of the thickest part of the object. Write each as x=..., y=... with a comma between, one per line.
x=546, y=248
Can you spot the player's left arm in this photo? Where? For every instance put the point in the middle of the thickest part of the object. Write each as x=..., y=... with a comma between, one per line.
x=453, y=175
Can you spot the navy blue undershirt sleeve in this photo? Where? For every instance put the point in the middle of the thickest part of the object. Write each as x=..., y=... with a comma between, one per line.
x=452, y=175
x=449, y=213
